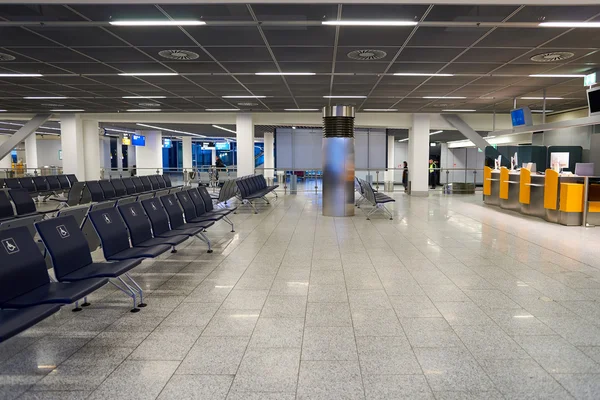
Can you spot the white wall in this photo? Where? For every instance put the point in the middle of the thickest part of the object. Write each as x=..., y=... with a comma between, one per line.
x=469, y=157
x=47, y=152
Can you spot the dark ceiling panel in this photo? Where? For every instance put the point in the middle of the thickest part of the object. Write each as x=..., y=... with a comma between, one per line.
x=29, y=68
x=469, y=68
x=304, y=54
x=555, y=13
x=115, y=12
x=361, y=67
x=249, y=67
x=169, y=37
x=371, y=37
x=299, y=36
x=511, y=37
x=470, y=13
x=84, y=36
x=226, y=35
x=447, y=36
x=21, y=37
x=209, y=12
x=194, y=67
x=37, y=12
x=52, y=54
x=377, y=12
x=490, y=55
x=250, y=54
x=295, y=12
x=579, y=38
x=441, y=55
x=317, y=67
x=114, y=54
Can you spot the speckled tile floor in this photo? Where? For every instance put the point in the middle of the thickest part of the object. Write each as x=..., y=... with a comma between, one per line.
x=451, y=300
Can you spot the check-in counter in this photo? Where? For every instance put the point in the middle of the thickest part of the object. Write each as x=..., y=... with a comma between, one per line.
x=556, y=198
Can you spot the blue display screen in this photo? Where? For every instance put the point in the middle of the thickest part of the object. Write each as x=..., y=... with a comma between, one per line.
x=138, y=140
x=167, y=143
x=518, y=117
x=223, y=146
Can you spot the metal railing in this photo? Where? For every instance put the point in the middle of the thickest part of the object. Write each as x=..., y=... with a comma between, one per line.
x=22, y=171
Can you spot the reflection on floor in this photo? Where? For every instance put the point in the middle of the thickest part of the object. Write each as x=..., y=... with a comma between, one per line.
x=451, y=300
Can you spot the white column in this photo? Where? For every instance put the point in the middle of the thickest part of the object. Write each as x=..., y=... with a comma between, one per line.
x=120, y=153
x=6, y=162
x=71, y=139
x=269, y=155
x=149, y=157
x=91, y=150
x=186, y=152
x=131, y=156
x=213, y=157
x=418, y=155
x=245, y=144
x=31, y=157
x=104, y=142
x=391, y=158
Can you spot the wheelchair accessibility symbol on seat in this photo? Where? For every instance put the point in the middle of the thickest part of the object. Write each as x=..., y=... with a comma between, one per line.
x=10, y=246
x=154, y=206
x=62, y=231
x=133, y=213
x=106, y=218
x=170, y=202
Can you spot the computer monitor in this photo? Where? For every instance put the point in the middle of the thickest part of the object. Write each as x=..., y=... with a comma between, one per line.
x=584, y=169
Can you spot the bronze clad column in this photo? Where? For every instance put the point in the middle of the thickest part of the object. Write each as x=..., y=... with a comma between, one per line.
x=338, y=161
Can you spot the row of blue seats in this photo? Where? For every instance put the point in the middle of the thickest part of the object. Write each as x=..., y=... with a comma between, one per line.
x=116, y=188
x=254, y=187
x=129, y=233
x=40, y=184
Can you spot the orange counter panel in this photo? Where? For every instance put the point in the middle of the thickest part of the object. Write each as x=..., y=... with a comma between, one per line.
x=487, y=183
x=504, y=183
x=524, y=188
x=551, y=189
x=571, y=197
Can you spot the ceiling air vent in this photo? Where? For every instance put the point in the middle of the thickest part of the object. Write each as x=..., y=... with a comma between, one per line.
x=6, y=57
x=180, y=55
x=367, y=55
x=552, y=57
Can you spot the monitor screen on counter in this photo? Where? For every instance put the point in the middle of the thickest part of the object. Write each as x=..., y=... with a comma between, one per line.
x=594, y=100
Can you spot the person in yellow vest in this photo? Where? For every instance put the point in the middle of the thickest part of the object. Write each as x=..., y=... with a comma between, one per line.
x=432, y=172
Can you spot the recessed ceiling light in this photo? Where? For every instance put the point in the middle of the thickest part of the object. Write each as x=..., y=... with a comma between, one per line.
x=344, y=97
x=170, y=130
x=149, y=74
x=285, y=73
x=120, y=131
x=403, y=140
x=45, y=98
x=570, y=24
x=144, y=109
x=541, y=111
x=222, y=109
x=435, y=133
x=244, y=97
x=556, y=76
x=301, y=109
x=20, y=75
x=71, y=110
x=293, y=127
x=369, y=23
x=224, y=129
x=158, y=23
x=2, y=110
x=541, y=98
x=144, y=97
x=380, y=109
x=445, y=97
x=459, y=110
x=419, y=74
x=432, y=144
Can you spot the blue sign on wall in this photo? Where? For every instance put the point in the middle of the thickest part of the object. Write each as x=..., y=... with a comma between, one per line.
x=138, y=140
x=518, y=117
x=222, y=146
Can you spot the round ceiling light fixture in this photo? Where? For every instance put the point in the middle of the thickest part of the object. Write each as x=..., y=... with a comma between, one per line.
x=6, y=57
x=552, y=56
x=367, y=55
x=247, y=104
x=179, y=55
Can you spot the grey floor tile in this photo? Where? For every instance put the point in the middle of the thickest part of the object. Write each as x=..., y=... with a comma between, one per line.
x=328, y=314
x=329, y=380
x=55, y=395
x=517, y=322
x=488, y=342
x=452, y=369
x=430, y=332
x=214, y=355
x=196, y=387
x=581, y=386
x=490, y=299
x=386, y=356
x=240, y=299
x=468, y=395
x=329, y=344
x=376, y=322
x=576, y=331
x=556, y=355
x=284, y=307
x=278, y=332
x=463, y=313
x=383, y=387
x=285, y=287
x=268, y=370
x=232, y=323
x=167, y=343
x=414, y=306
x=260, y=396
x=136, y=379
x=368, y=299
x=327, y=294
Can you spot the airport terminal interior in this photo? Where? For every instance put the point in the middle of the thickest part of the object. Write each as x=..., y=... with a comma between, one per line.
x=299, y=200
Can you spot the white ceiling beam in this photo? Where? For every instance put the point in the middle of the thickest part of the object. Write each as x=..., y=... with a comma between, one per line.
x=22, y=134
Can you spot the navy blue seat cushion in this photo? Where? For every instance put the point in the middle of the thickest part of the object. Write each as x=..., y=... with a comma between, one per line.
x=95, y=191
x=103, y=270
x=146, y=183
x=27, y=184
x=56, y=293
x=72, y=178
x=13, y=322
x=6, y=210
x=157, y=215
x=172, y=208
x=154, y=181
x=157, y=241
x=140, y=252
x=138, y=224
x=53, y=182
x=189, y=231
x=64, y=181
x=108, y=189
x=23, y=201
x=112, y=231
x=201, y=213
x=41, y=184
x=120, y=189
x=129, y=186
x=167, y=179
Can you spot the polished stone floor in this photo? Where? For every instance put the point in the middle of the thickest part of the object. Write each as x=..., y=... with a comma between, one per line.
x=451, y=300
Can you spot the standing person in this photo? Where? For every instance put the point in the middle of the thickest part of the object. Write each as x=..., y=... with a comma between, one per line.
x=218, y=164
x=405, y=176
x=432, y=167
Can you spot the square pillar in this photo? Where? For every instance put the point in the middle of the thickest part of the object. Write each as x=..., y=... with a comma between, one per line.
x=71, y=139
x=391, y=159
x=31, y=157
x=186, y=153
x=91, y=149
x=6, y=162
x=245, y=144
x=149, y=157
x=418, y=155
x=269, y=155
